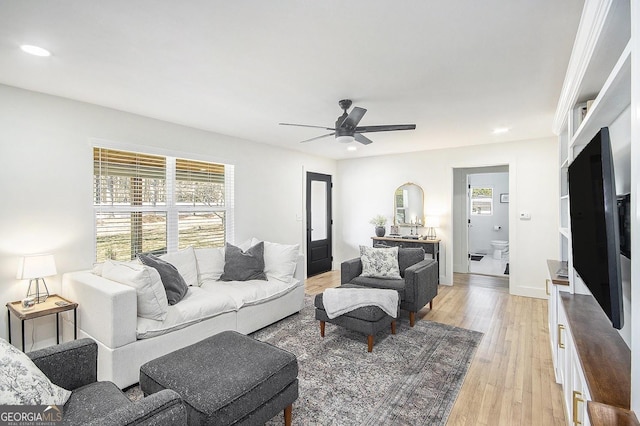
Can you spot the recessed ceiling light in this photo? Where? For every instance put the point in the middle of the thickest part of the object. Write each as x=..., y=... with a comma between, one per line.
x=500, y=130
x=352, y=148
x=35, y=50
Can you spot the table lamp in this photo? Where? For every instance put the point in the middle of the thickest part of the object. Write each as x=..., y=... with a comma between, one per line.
x=431, y=223
x=34, y=268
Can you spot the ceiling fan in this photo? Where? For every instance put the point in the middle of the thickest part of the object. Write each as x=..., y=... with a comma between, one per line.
x=347, y=130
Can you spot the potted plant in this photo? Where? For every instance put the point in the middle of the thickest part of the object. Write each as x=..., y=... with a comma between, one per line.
x=379, y=222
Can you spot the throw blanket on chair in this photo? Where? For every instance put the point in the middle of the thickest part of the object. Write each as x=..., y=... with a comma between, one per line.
x=338, y=301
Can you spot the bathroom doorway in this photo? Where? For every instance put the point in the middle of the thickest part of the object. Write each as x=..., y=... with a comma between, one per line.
x=481, y=208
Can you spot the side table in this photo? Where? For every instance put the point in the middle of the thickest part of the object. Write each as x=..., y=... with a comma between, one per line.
x=53, y=305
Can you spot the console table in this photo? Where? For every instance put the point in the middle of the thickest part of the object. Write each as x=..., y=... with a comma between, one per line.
x=430, y=246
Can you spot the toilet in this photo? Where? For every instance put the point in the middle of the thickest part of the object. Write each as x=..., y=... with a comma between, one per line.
x=500, y=248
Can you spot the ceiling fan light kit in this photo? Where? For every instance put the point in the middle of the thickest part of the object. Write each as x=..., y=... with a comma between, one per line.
x=346, y=127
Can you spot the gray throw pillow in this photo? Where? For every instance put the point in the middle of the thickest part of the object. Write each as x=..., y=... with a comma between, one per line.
x=243, y=265
x=174, y=285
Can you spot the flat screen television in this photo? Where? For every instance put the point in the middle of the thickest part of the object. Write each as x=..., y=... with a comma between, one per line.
x=594, y=225
x=624, y=220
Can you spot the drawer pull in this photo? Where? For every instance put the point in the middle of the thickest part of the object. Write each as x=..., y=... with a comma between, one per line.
x=560, y=342
x=546, y=286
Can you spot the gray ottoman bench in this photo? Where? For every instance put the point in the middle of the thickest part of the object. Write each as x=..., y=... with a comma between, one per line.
x=228, y=378
x=368, y=319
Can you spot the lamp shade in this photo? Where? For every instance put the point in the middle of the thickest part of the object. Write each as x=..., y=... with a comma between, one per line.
x=432, y=222
x=36, y=266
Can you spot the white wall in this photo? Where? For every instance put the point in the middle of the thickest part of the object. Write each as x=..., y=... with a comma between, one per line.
x=366, y=187
x=482, y=230
x=46, y=190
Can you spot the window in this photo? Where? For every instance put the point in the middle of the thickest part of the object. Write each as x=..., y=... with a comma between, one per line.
x=152, y=203
x=482, y=201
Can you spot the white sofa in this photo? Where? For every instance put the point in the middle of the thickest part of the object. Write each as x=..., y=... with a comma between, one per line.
x=108, y=312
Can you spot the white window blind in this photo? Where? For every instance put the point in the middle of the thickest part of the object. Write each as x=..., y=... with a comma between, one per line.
x=158, y=204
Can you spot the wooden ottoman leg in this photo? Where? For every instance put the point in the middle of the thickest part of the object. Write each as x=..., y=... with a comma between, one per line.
x=431, y=305
x=370, y=342
x=393, y=327
x=322, y=328
x=287, y=415
x=412, y=319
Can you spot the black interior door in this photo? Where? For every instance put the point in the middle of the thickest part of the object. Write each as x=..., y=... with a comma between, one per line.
x=319, y=223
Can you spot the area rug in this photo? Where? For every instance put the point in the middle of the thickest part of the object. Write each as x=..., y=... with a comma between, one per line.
x=476, y=257
x=410, y=378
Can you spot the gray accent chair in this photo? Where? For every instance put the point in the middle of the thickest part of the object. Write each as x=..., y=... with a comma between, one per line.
x=73, y=366
x=418, y=286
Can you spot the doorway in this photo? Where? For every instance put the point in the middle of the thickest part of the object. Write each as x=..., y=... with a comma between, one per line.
x=319, y=223
x=481, y=220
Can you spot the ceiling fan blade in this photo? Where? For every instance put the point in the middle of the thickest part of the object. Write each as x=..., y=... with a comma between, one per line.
x=318, y=137
x=362, y=139
x=306, y=125
x=354, y=117
x=385, y=128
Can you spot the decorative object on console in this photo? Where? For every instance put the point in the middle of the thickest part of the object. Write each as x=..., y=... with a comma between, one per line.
x=379, y=222
x=34, y=268
x=431, y=224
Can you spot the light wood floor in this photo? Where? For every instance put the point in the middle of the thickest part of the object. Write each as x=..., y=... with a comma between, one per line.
x=511, y=379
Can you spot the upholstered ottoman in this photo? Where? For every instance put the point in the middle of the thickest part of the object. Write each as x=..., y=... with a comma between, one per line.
x=228, y=378
x=368, y=319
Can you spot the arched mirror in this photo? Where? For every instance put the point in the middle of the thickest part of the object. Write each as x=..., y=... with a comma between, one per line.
x=409, y=205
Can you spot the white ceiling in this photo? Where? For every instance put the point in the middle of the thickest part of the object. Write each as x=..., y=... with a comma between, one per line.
x=457, y=68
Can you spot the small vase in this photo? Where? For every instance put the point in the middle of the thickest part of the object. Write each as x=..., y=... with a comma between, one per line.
x=380, y=230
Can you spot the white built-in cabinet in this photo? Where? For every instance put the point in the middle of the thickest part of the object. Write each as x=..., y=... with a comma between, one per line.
x=600, y=90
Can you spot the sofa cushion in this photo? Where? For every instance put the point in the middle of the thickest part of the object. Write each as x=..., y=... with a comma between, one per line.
x=174, y=284
x=398, y=285
x=242, y=265
x=185, y=262
x=198, y=305
x=380, y=262
x=250, y=292
x=279, y=259
x=95, y=400
x=210, y=263
x=150, y=294
x=22, y=382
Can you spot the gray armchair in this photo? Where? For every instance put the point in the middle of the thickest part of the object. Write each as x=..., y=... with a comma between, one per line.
x=418, y=286
x=73, y=366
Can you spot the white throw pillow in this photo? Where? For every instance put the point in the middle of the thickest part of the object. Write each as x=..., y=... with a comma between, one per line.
x=185, y=262
x=210, y=263
x=279, y=260
x=151, y=297
x=22, y=382
x=380, y=262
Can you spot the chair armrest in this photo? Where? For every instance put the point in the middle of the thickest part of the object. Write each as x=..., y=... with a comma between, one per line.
x=421, y=279
x=159, y=409
x=349, y=269
x=69, y=365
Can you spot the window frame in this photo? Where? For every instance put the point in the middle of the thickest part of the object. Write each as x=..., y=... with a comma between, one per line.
x=170, y=206
x=484, y=199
